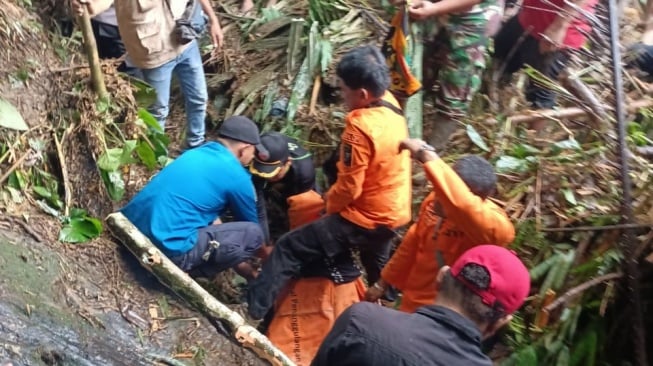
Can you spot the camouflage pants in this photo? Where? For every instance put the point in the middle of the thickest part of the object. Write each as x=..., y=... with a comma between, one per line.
x=454, y=60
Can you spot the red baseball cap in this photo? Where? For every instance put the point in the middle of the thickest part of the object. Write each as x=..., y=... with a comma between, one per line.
x=509, y=283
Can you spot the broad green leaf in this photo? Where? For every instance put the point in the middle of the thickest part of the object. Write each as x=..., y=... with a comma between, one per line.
x=160, y=142
x=10, y=117
x=80, y=229
x=114, y=184
x=127, y=150
x=146, y=154
x=510, y=164
x=110, y=160
x=69, y=235
x=476, y=138
x=149, y=120
x=90, y=226
x=569, y=196
x=76, y=213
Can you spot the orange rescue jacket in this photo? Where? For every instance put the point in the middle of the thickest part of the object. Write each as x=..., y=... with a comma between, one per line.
x=470, y=221
x=374, y=180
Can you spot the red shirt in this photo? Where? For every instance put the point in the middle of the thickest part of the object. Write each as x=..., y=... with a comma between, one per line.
x=537, y=15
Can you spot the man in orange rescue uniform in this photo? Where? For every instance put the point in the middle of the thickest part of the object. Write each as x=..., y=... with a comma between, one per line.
x=455, y=217
x=371, y=197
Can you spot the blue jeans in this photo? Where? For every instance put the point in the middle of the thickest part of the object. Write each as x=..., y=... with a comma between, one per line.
x=190, y=72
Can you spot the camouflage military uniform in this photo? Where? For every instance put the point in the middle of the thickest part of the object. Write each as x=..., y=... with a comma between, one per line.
x=454, y=58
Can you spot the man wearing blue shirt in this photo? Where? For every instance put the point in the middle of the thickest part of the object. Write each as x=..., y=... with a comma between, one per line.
x=180, y=208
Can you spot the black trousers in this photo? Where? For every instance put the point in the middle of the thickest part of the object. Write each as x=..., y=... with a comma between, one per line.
x=527, y=52
x=325, y=239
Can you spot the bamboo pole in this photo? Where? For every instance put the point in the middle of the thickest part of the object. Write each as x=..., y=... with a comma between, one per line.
x=572, y=112
x=414, y=105
x=590, y=102
x=90, y=47
x=628, y=239
x=183, y=285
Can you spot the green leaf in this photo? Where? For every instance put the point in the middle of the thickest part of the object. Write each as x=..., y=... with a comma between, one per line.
x=16, y=197
x=146, y=154
x=114, y=184
x=127, y=150
x=144, y=93
x=103, y=105
x=476, y=138
x=149, y=120
x=42, y=192
x=523, y=357
x=326, y=55
x=523, y=150
x=70, y=235
x=160, y=142
x=543, y=267
x=563, y=357
x=164, y=161
x=110, y=160
x=17, y=180
x=80, y=229
x=510, y=164
x=10, y=117
x=569, y=196
x=114, y=158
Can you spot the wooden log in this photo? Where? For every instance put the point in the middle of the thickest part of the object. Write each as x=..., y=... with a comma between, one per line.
x=566, y=113
x=183, y=285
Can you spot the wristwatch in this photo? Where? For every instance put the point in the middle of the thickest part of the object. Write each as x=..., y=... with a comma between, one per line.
x=420, y=153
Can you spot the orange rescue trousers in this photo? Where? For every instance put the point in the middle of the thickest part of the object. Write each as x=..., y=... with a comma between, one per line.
x=307, y=309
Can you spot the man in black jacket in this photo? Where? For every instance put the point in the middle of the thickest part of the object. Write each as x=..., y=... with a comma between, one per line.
x=476, y=297
x=286, y=169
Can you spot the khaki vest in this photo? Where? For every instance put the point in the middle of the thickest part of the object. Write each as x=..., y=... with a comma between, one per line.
x=147, y=29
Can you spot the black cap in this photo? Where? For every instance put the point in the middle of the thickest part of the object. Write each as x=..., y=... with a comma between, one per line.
x=267, y=163
x=241, y=128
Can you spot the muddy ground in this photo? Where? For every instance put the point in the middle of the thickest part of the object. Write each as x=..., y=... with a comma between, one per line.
x=94, y=305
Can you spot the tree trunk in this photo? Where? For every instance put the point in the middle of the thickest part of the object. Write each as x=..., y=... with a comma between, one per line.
x=90, y=47
x=183, y=285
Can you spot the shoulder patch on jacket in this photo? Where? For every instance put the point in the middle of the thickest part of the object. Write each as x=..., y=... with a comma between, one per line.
x=346, y=154
x=352, y=138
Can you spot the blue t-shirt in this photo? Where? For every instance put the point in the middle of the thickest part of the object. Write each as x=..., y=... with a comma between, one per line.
x=190, y=194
